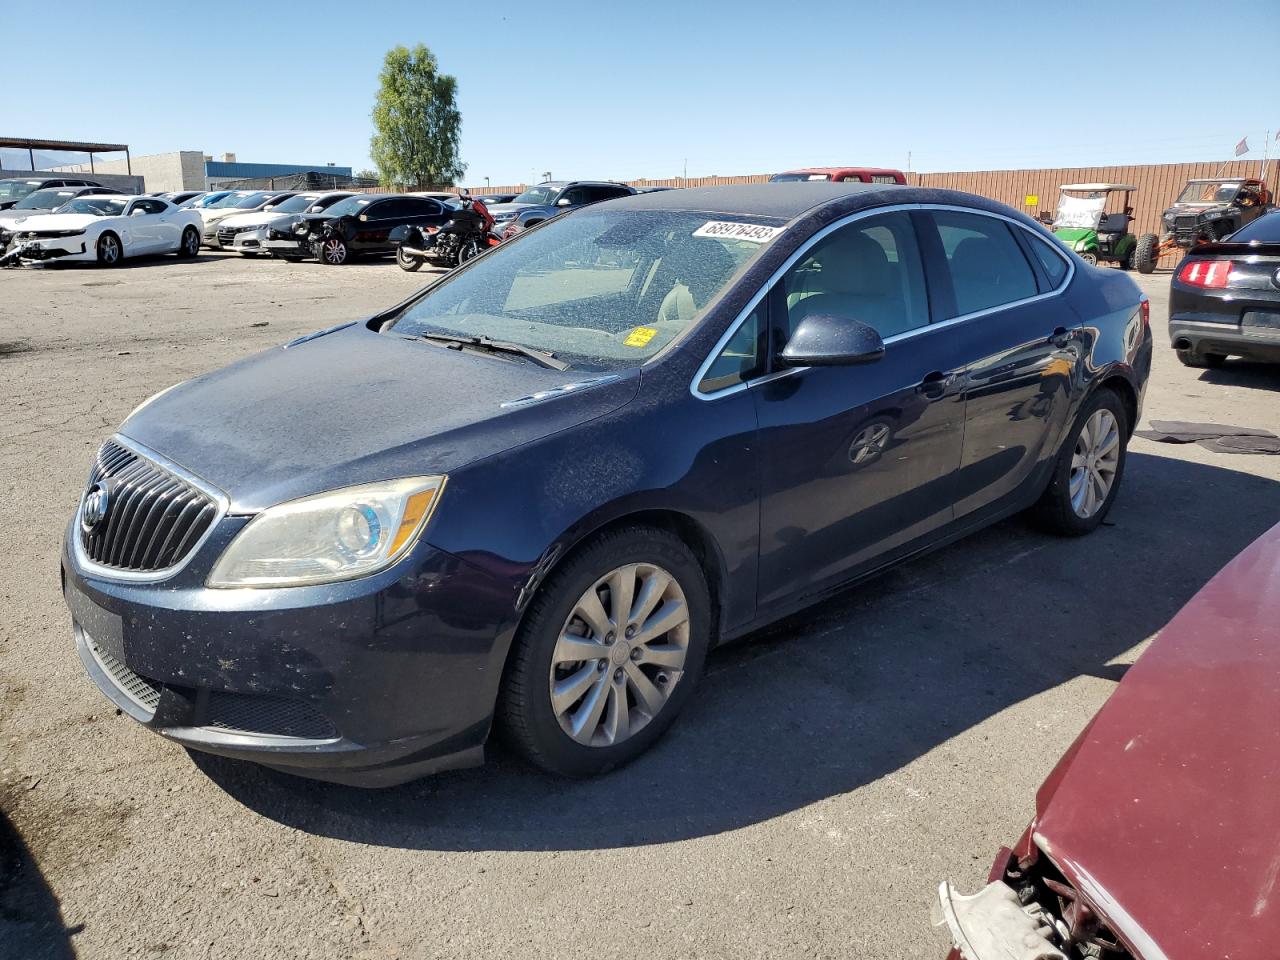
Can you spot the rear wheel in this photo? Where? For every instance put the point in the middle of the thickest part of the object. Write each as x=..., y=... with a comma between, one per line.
x=189, y=247
x=609, y=653
x=1146, y=253
x=110, y=253
x=1088, y=470
x=1207, y=361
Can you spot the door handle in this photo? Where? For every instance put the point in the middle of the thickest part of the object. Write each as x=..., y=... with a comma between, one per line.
x=934, y=384
x=1060, y=337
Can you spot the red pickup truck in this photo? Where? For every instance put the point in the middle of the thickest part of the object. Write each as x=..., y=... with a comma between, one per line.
x=841, y=174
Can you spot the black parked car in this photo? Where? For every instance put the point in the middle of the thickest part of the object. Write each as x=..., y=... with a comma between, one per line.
x=14, y=189
x=536, y=494
x=1224, y=299
x=361, y=225
x=548, y=199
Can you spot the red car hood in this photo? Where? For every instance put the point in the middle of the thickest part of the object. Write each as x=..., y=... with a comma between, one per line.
x=1167, y=816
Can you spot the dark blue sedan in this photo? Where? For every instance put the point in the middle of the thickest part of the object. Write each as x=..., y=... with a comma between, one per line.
x=535, y=495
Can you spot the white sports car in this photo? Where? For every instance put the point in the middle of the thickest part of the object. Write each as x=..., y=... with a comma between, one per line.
x=106, y=229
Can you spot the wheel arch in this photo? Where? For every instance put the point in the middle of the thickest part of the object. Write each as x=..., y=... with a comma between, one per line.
x=1119, y=384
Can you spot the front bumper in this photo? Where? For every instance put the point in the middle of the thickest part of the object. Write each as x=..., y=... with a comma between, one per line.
x=247, y=241
x=53, y=248
x=287, y=248
x=371, y=682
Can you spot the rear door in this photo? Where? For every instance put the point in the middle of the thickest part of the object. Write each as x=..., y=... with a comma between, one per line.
x=1000, y=289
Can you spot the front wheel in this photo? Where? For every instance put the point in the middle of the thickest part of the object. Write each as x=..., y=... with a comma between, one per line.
x=406, y=260
x=189, y=246
x=1087, y=472
x=467, y=250
x=1090, y=258
x=110, y=253
x=333, y=251
x=609, y=653
x=1146, y=253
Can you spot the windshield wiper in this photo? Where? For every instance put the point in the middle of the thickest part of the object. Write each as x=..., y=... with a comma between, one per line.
x=544, y=358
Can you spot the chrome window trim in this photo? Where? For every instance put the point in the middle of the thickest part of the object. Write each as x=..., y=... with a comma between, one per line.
x=221, y=501
x=896, y=338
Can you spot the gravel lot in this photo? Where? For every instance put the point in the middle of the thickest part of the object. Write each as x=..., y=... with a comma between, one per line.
x=832, y=770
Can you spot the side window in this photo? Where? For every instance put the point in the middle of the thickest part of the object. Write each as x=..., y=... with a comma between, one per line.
x=147, y=206
x=1054, y=263
x=742, y=357
x=988, y=268
x=868, y=271
x=382, y=209
x=419, y=208
x=596, y=194
x=575, y=196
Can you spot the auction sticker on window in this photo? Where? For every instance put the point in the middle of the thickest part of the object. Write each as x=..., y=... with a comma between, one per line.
x=724, y=230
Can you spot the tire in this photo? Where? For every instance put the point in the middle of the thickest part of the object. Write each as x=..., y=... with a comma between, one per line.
x=333, y=251
x=466, y=250
x=110, y=250
x=1090, y=258
x=616, y=669
x=1146, y=254
x=1059, y=509
x=1201, y=361
x=1126, y=262
x=406, y=262
x=189, y=245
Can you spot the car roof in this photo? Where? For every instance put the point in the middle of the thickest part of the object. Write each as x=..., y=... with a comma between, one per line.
x=784, y=200
x=830, y=170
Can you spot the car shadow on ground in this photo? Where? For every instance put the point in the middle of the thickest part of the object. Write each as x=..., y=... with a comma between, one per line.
x=31, y=924
x=1245, y=373
x=837, y=697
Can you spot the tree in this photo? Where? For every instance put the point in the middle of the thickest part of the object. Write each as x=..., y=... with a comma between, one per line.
x=416, y=121
x=366, y=175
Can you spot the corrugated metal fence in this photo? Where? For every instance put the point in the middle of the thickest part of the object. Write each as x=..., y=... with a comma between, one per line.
x=1158, y=184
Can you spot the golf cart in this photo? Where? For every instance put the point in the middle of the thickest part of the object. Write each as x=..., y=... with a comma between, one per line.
x=1083, y=223
x=1208, y=209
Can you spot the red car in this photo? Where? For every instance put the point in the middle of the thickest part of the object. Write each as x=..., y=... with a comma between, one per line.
x=842, y=175
x=1155, y=836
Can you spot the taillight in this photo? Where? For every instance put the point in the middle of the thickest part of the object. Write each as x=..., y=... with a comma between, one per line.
x=1212, y=274
x=1145, y=308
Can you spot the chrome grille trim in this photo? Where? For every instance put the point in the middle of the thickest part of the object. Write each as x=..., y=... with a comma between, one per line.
x=162, y=516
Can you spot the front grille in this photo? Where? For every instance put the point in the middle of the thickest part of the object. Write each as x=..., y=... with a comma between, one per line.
x=139, y=689
x=152, y=518
x=267, y=716
x=227, y=234
x=1184, y=228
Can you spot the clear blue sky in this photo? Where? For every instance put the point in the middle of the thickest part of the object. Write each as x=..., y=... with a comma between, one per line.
x=630, y=90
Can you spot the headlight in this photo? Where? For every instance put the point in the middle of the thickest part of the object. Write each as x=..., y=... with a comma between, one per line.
x=1080, y=244
x=300, y=228
x=338, y=535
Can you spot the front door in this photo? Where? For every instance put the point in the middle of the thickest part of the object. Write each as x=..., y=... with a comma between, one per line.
x=856, y=461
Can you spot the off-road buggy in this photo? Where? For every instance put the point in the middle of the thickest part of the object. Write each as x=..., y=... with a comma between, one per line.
x=1083, y=223
x=1207, y=210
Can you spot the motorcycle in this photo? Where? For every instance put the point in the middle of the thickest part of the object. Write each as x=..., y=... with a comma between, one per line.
x=468, y=234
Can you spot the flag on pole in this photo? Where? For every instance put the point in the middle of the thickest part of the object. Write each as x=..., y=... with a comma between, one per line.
x=1242, y=147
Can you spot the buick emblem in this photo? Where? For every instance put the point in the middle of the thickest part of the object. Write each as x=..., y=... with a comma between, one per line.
x=1275, y=279
x=96, y=505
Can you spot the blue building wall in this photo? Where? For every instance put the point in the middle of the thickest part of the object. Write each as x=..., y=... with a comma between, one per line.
x=243, y=171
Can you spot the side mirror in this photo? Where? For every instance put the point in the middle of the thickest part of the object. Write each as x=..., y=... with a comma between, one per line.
x=563, y=202
x=138, y=212
x=825, y=340
x=363, y=217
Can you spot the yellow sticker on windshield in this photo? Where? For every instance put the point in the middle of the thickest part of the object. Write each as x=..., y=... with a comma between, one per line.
x=639, y=336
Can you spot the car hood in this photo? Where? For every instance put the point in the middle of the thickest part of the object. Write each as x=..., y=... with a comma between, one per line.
x=353, y=406
x=500, y=210
x=217, y=215
x=1166, y=813
x=52, y=221
x=12, y=216
x=256, y=219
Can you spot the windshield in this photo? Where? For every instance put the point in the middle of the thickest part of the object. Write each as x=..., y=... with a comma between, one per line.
x=348, y=207
x=1219, y=191
x=1266, y=229
x=296, y=204
x=200, y=201
x=794, y=177
x=1079, y=212
x=95, y=206
x=600, y=289
x=12, y=189
x=252, y=201
x=539, y=194
x=45, y=199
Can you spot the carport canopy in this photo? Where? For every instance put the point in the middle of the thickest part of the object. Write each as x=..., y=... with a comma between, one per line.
x=69, y=146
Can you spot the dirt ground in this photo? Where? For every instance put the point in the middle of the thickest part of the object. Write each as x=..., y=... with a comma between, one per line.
x=830, y=772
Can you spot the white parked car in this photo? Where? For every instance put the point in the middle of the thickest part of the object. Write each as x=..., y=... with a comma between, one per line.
x=234, y=204
x=107, y=229
x=244, y=232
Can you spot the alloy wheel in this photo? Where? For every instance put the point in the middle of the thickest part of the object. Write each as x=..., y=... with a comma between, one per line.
x=1094, y=463
x=619, y=655
x=191, y=241
x=335, y=251
x=110, y=250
